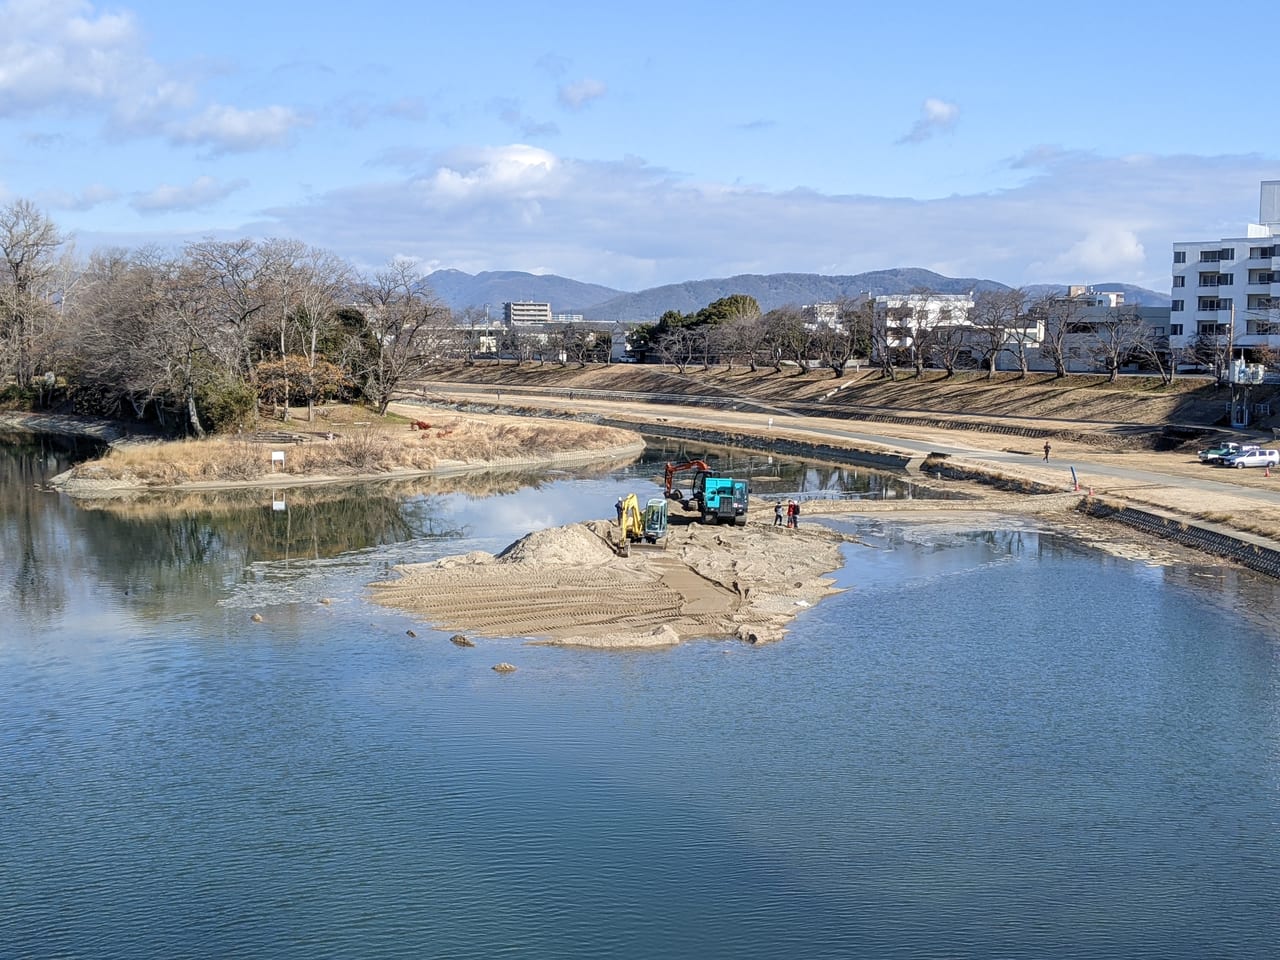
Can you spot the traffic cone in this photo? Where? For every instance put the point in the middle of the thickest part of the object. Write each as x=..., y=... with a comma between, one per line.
x=1267, y=471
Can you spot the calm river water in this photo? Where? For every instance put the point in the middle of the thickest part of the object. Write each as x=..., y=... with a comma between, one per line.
x=995, y=744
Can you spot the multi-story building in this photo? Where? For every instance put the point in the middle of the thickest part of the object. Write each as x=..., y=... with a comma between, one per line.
x=525, y=311
x=900, y=319
x=816, y=314
x=1227, y=291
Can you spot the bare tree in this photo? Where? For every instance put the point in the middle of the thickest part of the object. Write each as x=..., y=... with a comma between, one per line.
x=994, y=315
x=883, y=343
x=234, y=274
x=787, y=337
x=836, y=343
x=679, y=347
x=1117, y=339
x=1028, y=330
x=405, y=326
x=29, y=244
x=1061, y=317
x=929, y=339
x=946, y=343
x=304, y=287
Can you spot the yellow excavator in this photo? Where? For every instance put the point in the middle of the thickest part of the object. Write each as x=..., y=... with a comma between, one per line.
x=630, y=523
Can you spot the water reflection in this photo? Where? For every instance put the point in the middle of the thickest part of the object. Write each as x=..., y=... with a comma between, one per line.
x=32, y=539
x=784, y=477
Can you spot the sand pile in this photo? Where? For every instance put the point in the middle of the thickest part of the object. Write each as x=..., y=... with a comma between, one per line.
x=566, y=586
x=577, y=543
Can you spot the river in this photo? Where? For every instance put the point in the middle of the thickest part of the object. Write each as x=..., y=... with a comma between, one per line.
x=995, y=743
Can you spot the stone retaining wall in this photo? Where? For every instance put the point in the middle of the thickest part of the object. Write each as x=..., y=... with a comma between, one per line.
x=1255, y=556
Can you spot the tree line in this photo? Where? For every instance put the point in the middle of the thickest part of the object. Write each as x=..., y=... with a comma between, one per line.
x=203, y=337
x=1006, y=328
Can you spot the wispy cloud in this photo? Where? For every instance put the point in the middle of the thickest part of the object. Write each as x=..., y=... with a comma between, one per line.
x=510, y=112
x=578, y=94
x=202, y=192
x=88, y=198
x=553, y=65
x=227, y=129
x=936, y=116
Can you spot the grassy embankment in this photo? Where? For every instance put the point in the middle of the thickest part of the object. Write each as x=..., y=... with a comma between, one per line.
x=362, y=444
x=1080, y=397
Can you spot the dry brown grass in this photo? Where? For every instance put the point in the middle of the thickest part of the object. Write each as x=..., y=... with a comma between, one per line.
x=370, y=447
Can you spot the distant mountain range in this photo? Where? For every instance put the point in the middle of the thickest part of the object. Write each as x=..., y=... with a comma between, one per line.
x=494, y=288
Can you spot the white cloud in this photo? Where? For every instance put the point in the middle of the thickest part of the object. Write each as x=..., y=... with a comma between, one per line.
x=88, y=198
x=578, y=94
x=514, y=171
x=1108, y=248
x=232, y=130
x=936, y=116
x=63, y=55
x=202, y=192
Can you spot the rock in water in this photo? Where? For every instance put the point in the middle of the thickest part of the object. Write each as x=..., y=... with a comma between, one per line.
x=256, y=618
x=410, y=633
x=504, y=667
x=458, y=640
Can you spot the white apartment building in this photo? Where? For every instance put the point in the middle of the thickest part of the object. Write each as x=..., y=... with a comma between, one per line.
x=525, y=311
x=898, y=316
x=1229, y=289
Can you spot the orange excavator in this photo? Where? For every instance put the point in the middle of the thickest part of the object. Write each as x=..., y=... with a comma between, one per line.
x=699, y=468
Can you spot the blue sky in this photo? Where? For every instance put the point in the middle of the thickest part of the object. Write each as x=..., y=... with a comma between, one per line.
x=639, y=145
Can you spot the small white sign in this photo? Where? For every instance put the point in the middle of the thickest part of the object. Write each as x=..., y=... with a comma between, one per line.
x=277, y=456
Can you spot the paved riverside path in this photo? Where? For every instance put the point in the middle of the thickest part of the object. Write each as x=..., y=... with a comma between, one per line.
x=1172, y=481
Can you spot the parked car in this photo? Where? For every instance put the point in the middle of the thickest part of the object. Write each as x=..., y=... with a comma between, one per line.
x=1222, y=451
x=1253, y=458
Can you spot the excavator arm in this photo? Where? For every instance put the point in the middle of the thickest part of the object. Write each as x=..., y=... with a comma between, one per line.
x=673, y=469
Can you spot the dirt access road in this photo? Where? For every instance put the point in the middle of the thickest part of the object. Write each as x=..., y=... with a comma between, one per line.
x=1173, y=482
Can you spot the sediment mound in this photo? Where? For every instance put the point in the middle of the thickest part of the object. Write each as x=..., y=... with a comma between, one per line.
x=578, y=543
x=566, y=586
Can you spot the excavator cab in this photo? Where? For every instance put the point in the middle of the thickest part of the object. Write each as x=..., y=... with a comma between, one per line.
x=655, y=520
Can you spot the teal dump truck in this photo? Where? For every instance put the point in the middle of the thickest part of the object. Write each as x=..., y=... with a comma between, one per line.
x=724, y=500
x=718, y=499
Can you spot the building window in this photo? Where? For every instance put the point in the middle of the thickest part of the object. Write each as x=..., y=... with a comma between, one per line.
x=1176, y=306
x=1179, y=256
x=1175, y=329
x=1226, y=279
x=1179, y=281
x=1227, y=253
x=1209, y=256
x=1214, y=303
x=1208, y=279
